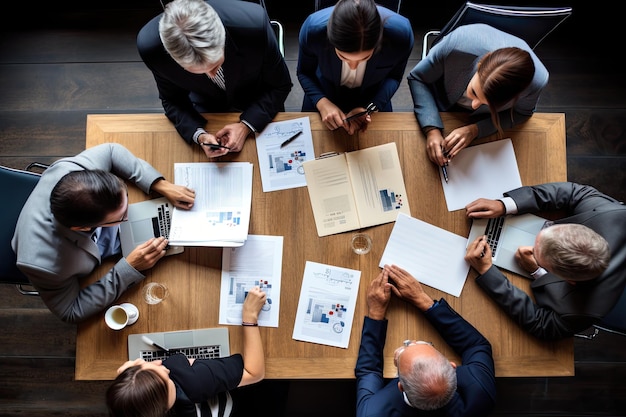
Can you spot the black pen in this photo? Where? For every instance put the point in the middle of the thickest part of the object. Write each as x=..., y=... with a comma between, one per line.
x=214, y=146
x=368, y=110
x=444, y=169
x=288, y=141
x=354, y=116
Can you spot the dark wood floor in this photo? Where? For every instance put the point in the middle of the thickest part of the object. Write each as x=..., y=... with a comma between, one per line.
x=64, y=60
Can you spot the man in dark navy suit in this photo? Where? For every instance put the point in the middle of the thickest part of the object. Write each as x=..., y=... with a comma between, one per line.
x=426, y=380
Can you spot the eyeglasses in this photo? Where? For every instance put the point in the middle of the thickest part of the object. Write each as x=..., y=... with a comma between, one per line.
x=122, y=220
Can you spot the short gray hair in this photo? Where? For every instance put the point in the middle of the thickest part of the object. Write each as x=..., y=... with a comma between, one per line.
x=192, y=33
x=431, y=383
x=574, y=252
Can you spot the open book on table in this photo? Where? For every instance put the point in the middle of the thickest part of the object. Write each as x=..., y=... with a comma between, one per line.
x=220, y=215
x=356, y=189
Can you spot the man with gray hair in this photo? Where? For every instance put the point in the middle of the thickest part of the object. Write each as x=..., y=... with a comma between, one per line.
x=427, y=380
x=578, y=263
x=214, y=57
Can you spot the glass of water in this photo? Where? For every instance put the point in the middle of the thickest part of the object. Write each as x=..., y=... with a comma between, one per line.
x=155, y=292
x=361, y=243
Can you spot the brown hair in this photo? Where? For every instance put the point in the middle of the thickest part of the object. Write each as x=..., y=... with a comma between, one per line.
x=137, y=392
x=504, y=74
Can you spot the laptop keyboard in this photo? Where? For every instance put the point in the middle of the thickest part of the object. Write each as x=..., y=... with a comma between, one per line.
x=493, y=232
x=198, y=352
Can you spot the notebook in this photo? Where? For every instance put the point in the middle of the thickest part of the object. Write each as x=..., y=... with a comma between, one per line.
x=147, y=219
x=207, y=343
x=506, y=234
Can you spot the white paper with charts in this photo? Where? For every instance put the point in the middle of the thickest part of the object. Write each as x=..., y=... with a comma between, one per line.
x=433, y=255
x=356, y=189
x=481, y=171
x=326, y=304
x=281, y=166
x=257, y=263
x=220, y=215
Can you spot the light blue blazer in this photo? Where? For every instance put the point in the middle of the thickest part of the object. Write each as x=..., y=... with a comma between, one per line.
x=438, y=81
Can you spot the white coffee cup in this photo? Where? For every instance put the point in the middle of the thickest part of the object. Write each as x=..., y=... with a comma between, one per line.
x=119, y=316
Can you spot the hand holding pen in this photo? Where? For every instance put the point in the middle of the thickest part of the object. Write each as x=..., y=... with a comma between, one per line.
x=444, y=167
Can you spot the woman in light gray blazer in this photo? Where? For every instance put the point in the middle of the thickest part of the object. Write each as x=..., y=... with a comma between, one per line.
x=491, y=74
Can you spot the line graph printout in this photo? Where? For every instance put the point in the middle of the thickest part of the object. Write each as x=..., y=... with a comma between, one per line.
x=257, y=263
x=326, y=305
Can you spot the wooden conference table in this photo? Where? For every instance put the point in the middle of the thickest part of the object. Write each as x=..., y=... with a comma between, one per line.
x=194, y=276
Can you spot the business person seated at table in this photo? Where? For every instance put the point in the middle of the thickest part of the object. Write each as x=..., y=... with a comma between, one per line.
x=215, y=57
x=71, y=221
x=352, y=55
x=426, y=380
x=494, y=76
x=578, y=263
x=191, y=387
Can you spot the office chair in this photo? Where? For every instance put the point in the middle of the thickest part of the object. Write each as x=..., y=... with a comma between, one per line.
x=393, y=5
x=16, y=185
x=531, y=24
x=614, y=322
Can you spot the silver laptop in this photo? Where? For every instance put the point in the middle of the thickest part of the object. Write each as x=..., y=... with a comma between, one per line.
x=506, y=234
x=208, y=343
x=147, y=219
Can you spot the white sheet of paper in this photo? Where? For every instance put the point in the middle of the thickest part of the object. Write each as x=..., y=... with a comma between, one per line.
x=434, y=256
x=257, y=263
x=281, y=168
x=481, y=171
x=326, y=305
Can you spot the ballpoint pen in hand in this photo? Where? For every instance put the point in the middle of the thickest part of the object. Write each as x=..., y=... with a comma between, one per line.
x=369, y=110
x=444, y=167
x=288, y=141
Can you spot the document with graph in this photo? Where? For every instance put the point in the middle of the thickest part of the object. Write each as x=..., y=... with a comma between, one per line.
x=356, y=189
x=326, y=304
x=220, y=215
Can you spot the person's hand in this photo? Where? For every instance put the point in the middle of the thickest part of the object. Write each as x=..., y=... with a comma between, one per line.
x=408, y=288
x=378, y=296
x=484, y=208
x=205, y=140
x=331, y=115
x=179, y=195
x=358, y=123
x=526, y=259
x=146, y=255
x=478, y=255
x=233, y=135
x=130, y=364
x=252, y=305
x=458, y=139
x=434, y=147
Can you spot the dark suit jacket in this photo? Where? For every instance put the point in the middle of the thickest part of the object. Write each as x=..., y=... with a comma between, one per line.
x=476, y=383
x=319, y=68
x=257, y=78
x=562, y=309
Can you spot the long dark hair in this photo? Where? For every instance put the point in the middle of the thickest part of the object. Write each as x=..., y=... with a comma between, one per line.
x=355, y=26
x=137, y=392
x=504, y=74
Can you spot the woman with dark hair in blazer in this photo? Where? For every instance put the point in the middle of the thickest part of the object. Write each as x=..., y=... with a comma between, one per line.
x=352, y=55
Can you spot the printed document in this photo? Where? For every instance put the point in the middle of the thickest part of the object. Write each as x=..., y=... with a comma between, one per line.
x=326, y=305
x=221, y=212
x=281, y=167
x=356, y=189
x=482, y=171
x=258, y=263
x=434, y=256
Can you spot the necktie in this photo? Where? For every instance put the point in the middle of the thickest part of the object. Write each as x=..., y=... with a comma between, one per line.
x=219, y=79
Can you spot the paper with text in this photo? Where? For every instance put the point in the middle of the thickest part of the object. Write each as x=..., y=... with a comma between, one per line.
x=481, y=171
x=220, y=215
x=281, y=168
x=356, y=189
x=433, y=255
x=326, y=304
x=257, y=263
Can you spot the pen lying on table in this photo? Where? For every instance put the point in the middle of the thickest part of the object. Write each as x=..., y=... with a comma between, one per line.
x=288, y=141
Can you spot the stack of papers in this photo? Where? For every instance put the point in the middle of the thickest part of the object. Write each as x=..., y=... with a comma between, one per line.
x=221, y=213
